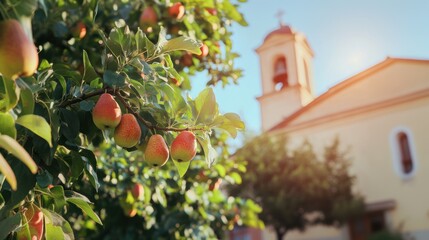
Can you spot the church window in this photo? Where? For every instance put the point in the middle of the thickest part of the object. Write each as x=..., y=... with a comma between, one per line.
x=404, y=148
x=403, y=152
x=280, y=74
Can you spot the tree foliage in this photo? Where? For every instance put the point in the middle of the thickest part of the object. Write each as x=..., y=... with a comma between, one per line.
x=53, y=159
x=295, y=187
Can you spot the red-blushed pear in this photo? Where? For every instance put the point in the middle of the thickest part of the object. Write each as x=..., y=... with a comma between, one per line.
x=106, y=113
x=184, y=147
x=148, y=18
x=211, y=11
x=204, y=51
x=130, y=211
x=79, y=30
x=137, y=191
x=214, y=185
x=127, y=133
x=18, y=55
x=34, y=217
x=156, y=152
x=177, y=11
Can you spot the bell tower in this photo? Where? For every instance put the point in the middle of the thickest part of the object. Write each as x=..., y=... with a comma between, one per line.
x=286, y=74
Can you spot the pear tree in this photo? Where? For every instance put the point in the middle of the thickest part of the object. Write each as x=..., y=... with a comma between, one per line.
x=95, y=117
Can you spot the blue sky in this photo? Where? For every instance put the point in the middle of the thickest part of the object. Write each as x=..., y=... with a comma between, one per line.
x=346, y=37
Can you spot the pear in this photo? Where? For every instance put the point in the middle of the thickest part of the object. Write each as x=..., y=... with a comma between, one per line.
x=34, y=217
x=106, y=113
x=176, y=11
x=148, y=18
x=138, y=191
x=18, y=55
x=79, y=30
x=127, y=133
x=184, y=147
x=156, y=152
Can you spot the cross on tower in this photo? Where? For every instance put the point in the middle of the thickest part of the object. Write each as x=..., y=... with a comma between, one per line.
x=279, y=15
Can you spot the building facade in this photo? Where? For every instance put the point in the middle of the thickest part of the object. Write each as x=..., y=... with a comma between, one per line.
x=381, y=115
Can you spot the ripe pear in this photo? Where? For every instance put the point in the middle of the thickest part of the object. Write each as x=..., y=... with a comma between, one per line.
x=106, y=112
x=156, y=152
x=184, y=147
x=177, y=11
x=35, y=222
x=138, y=191
x=148, y=18
x=18, y=55
x=127, y=133
x=79, y=30
x=204, y=51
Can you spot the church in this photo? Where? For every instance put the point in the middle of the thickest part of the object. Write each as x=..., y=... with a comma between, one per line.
x=380, y=114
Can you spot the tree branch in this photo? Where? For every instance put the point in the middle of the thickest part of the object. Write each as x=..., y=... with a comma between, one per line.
x=85, y=96
x=127, y=106
x=148, y=124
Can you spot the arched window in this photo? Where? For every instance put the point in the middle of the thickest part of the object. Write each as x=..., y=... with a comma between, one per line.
x=405, y=152
x=404, y=156
x=280, y=74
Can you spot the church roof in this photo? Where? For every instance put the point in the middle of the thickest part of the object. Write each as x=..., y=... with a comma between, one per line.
x=340, y=87
x=283, y=30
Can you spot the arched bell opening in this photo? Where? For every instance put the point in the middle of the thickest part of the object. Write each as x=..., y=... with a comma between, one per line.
x=280, y=78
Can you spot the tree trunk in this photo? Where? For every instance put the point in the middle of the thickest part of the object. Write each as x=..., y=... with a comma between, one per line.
x=280, y=233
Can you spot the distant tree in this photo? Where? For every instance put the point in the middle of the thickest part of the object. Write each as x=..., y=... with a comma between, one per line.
x=294, y=187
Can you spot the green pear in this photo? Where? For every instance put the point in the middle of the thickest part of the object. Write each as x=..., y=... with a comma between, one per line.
x=18, y=55
x=156, y=152
x=127, y=133
x=184, y=147
x=106, y=113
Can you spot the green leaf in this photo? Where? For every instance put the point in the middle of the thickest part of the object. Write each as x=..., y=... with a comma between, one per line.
x=160, y=197
x=150, y=47
x=27, y=101
x=53, y=232
x=56, y=226
x=9, y=225
x=26, y=8
x=7, y=171
x=92, y=176
x=114, y=47
x=59, y=197
x=236, y=177
x=229, y=122
x=206, y=106
x=232, y=12
x=89, y=73
x=7, y=125
x=209, y=152
x=140, y=41
x=113, y=79
x=181, y=43
x=86, y=105
x=86, y=208
x=235, y=120
x=182, y=167
x=44, y=179
x=11, y=95
x=37, y=125
x=13, y=147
